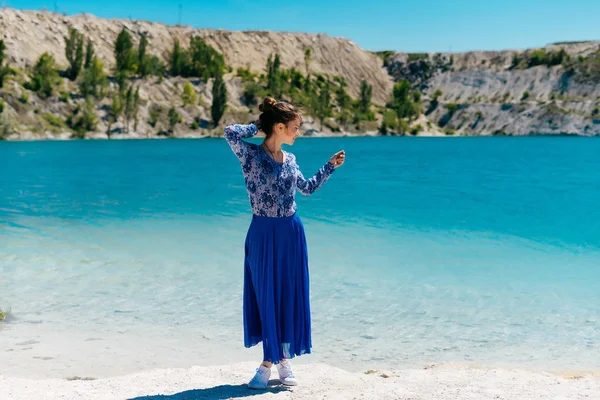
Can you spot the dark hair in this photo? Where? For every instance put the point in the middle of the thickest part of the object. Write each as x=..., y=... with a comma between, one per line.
x=273, y=112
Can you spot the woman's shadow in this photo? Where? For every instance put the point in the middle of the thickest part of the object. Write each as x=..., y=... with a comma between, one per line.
x=218, y=392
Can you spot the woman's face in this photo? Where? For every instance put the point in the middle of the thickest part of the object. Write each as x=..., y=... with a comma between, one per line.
x=289, y=132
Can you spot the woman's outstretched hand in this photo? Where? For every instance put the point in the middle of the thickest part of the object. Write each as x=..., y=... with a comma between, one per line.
x=338, y=158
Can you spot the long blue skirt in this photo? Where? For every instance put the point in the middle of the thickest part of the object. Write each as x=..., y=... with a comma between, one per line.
x=276, y=288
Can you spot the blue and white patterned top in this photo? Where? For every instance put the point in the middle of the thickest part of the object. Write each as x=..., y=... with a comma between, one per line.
x=271, y=185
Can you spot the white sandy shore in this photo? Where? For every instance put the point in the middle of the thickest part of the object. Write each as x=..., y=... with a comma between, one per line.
x=318, y=381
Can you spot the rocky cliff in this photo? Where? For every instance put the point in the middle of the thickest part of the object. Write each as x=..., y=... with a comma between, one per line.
x=554, y=90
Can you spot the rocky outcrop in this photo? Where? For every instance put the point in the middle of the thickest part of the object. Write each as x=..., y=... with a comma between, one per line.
x=484, y=93
x=473, y=93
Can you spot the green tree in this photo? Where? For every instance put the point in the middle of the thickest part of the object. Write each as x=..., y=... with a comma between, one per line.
x=174, y=119
x=417, y=105
x=2, y=50
x=344, y=116
x=309, y=98
x=177, y=60
x=203, y=61
x=136, y=108
x=128, y=104
x=402, y=100
x=6, y=126
x=44, y=76
x=516, y=60
x=148, y=64
x=323, y=109
x=219, y=103
x=121, y=79
x=269, y=72
x=344, y=103
x=124, y=53
x=389, y=122
x=5, y=70
x=537, y=57
x=403, y=127
x=307, y=59
x=452, y=108
x=277, y=75
x=274, y=76
x=557, y=57
x=74, y=53
x=364, y=102
x=200, y=60
x=154, y=113
x=143, y=61
x=189, y=94
x=252, y=91
x=116, y=108
x=245, y=73
x=155, y=66
x=89, y=54
x=93, y=80
x=83, y=119
x=435, y=99
x=366, y=94
x=296, y=79
x=416, y=130
x=88, y=119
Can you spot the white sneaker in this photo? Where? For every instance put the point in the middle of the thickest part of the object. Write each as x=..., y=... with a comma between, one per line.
x=286, y=376
x=261, y=378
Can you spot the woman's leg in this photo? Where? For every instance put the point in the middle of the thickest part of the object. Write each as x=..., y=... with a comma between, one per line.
x=269, y=364
x=286, y=375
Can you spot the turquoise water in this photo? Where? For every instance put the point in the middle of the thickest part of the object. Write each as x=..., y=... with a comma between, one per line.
x=117, y=256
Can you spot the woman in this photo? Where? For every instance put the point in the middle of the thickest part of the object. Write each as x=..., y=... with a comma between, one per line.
x=276, y=286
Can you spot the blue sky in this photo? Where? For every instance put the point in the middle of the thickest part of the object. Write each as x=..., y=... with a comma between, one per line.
x=403, y=25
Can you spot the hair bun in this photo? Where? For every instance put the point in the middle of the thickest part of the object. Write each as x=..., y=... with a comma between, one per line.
x=267, y=104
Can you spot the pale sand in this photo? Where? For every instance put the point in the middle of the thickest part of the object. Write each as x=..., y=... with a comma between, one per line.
x=318, y=381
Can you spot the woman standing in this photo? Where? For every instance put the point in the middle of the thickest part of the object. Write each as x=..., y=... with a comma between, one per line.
x=276, y=280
